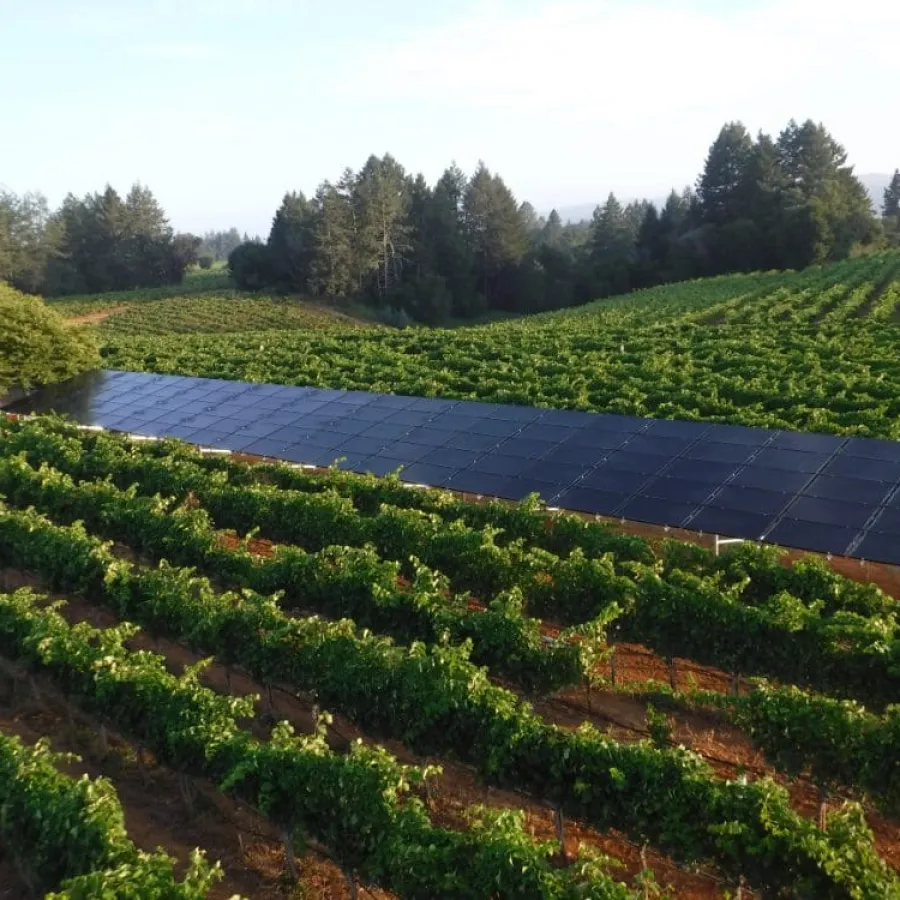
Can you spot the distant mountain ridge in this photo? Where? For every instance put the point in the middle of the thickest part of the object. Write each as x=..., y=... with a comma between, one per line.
x=874, y=182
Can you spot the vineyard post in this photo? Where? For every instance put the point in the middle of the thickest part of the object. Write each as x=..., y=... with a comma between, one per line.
x=287, y=842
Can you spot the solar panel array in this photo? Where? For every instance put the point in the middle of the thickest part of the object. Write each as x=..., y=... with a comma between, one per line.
x=815, y=492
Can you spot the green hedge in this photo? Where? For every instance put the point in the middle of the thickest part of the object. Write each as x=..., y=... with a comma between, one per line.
x=36, y=346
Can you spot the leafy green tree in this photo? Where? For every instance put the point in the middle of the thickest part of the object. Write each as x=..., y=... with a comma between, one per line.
x=250, y=265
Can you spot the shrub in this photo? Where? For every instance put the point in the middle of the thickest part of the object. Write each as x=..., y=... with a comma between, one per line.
x=250, y=265
x=205, y=261
x=36, y=346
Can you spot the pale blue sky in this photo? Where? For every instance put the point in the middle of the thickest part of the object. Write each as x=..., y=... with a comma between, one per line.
x=222, y=105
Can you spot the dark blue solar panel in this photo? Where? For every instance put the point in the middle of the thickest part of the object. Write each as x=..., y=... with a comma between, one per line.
x=772, y=479
x=467, y=441
x=739, y=434
x=884, y=548
x=730, y=523
x=448, y=457
x=888, y=521
x=713, y=451
x=623, y=461
x=422, y=473
x=589, y=500
x=677, y=489
x=866, y=468
x=560, y=475
x=472, y=482
x=571, y=455
x=407, y=452
x=814, y=443
x=870, y=449
x=495, y=427
x=496, y=464
x=538, y=431
x=520, y=488
x=851, y=490
x=597, y=440
x=711, y=477
x=657, y=446
x=364, y=445
x=753, y=500
x=790, y=460
x=699, y=470
x=430, y=437
x=527, y=448
x=675, y=428
x=606, y=479
x=812, y=536
x=830, y=512
x=658, y=512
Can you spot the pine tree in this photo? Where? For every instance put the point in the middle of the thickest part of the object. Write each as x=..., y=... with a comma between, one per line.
x=495, y=229
x=891, y=206
x=332, y=269
x=291, y=243
x=382, y=204
x=724, y=174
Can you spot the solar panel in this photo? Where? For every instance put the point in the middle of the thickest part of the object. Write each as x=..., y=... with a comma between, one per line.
x=526, y=448
x=496, y=464
x=888, y=521
x=749, y=499
x=699, y=470
x=624, y=461
x=816, y=492
x=851, y=490
x=830, y=512
x=422, y=473
x=816, y=536
x=730, y=522
x=715, y=451
x=678, y=489
x=658, y=512
x=606, y=479
x=430, y=437
x=883, y=548
x=590, y=500
x=790, y=460
x=870, y=449
x=866, y=468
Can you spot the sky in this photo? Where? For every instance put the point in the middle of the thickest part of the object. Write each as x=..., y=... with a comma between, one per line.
x=220, y=106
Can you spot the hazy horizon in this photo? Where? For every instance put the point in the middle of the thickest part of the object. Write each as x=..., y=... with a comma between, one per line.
x=220, y=107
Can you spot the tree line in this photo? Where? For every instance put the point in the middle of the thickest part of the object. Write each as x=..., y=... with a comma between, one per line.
x=96, y=243
x=465, y=246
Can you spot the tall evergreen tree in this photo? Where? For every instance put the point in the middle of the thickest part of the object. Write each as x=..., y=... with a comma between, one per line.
x=495, y=229
x=333, y=267
x=891, y=206
x=720, y=187
x=292, y=243
x=383, y=232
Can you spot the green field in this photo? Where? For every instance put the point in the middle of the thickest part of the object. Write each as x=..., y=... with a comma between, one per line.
x=815, y=350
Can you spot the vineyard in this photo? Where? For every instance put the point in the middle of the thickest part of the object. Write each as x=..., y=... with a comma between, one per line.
x=333, y=684
x=812, y=351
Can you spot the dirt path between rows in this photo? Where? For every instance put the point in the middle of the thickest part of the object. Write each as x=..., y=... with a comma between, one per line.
x=95, y=318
